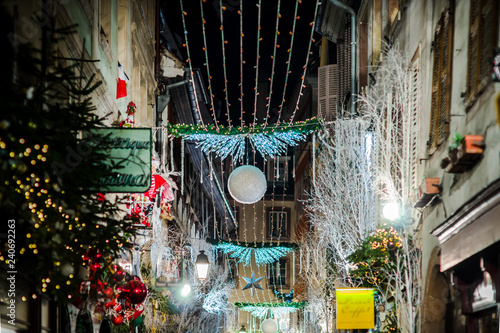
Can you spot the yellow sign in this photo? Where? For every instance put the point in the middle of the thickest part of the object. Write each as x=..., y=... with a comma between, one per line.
x=355, y=308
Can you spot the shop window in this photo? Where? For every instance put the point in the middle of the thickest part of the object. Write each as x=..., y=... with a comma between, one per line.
x=441, y=80
x=483, y=37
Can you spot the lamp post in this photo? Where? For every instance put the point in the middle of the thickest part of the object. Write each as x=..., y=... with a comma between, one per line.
x=202, y=265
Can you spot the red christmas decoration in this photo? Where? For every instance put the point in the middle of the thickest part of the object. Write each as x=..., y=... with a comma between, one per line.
x=117, y=320
x=134, y=291
x=139, y=308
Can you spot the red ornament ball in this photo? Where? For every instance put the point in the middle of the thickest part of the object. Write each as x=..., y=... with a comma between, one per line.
x=134, y=291
x=119, y=275
x=117, y=320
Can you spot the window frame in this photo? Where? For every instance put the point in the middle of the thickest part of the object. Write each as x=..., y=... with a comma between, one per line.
x=441, y=80
x=286, y=264
x=269, y=211
x=479, y=68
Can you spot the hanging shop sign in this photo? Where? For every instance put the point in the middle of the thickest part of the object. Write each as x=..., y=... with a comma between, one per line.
x=355, y=308
x=129, y=152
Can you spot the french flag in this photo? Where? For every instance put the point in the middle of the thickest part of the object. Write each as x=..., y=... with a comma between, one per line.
x=121, y=88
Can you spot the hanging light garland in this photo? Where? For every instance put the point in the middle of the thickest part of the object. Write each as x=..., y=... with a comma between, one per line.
x=186, y=45
x=261, y=310
x=311, y=40
x=276, y=46
x=256, y=88
x=231, y=141
x=292, y=34
x=205, y=49
x=264, y=253
x=224, y=42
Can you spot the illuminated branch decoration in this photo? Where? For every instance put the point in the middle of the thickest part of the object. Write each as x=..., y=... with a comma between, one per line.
x=263, y=254
x=231, y=141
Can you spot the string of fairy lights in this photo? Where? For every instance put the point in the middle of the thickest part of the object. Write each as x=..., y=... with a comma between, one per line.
x=183, y=14
x=271, y=79
x=270, y=140
x=289, y=61
x=302, y=86
x=257, y=60
x=207, y=64
x=224, y=42
x=242, y=112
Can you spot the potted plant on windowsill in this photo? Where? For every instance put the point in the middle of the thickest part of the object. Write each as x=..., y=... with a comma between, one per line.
x=463, y=153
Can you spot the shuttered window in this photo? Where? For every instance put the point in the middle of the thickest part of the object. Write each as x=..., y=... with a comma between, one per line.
x=441, y=80
x=483, y=37
x=414, y=128
x=328, y=92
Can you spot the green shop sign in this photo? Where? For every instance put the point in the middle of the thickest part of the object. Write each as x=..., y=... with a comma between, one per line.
x=129, y=152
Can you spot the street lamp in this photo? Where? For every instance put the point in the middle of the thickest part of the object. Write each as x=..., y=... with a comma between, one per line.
x=391, y=211
x=202, y=265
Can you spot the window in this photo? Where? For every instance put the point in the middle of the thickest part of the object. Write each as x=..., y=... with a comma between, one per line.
x=277, y=169
x=415, y=89
x=483, y=37
x=232, y=271
x=277, y=273
x=441, y=81
x=278, y=223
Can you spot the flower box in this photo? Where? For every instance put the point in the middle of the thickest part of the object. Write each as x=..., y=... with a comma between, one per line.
x=429, y=188
x=467, y=154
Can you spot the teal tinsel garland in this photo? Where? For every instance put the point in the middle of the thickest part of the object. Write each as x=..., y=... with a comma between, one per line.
x=263, y=255
x=261, y=309
x=230, y=141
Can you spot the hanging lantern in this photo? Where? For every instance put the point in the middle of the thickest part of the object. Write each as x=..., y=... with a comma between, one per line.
x=247, y=184
x=269, y=326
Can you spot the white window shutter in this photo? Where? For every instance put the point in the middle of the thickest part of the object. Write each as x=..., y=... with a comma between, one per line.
x=328, y=94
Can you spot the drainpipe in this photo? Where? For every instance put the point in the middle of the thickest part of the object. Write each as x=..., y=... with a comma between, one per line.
x=353, y=51
x=198, y=121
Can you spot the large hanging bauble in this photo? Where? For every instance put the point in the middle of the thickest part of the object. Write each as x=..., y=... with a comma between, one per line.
x=134, y=291
x=247, y=184
x=269, y=326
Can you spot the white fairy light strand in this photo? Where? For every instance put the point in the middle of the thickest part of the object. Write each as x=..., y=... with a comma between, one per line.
x=271, y=79
x=205, y=49
x=183, y=13
x=306, y=62
x=221, y=9
x=242, y=120
x=292, y=33
x=256, y=94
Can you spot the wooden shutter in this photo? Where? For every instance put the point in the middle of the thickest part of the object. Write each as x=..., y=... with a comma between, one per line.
x=328, y=85
x=415, y=89
x=344, y=61
x=441, y=80
x=483, y=37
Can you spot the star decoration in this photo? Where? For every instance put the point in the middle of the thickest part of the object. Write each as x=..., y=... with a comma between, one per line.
x=252, y=283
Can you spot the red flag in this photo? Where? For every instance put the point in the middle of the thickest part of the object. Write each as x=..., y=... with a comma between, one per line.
x=121, y=87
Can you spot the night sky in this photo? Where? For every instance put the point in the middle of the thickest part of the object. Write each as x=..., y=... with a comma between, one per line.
x=231, y=25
